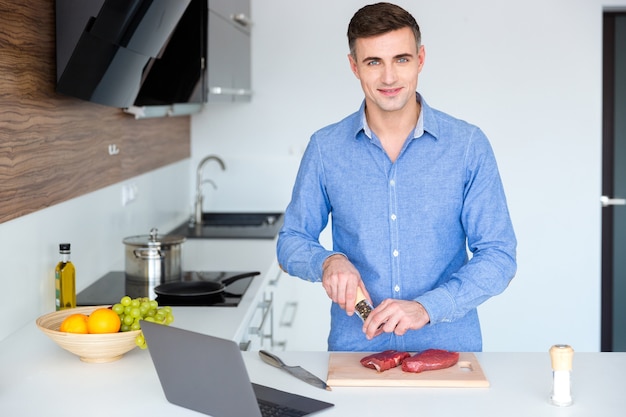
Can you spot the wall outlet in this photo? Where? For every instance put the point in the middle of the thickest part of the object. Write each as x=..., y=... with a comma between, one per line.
x=129, y=193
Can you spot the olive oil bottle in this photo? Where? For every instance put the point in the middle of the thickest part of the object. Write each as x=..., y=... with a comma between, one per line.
x=65, y=280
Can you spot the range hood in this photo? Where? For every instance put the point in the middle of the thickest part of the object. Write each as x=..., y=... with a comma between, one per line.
x=138, y=55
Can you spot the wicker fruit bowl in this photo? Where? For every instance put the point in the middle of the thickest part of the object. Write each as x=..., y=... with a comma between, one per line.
x=93, y=348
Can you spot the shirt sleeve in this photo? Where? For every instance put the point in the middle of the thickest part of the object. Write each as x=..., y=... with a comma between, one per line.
x=298, y=249
x=490, y=240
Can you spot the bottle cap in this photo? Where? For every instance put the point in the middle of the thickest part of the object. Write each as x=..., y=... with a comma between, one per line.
x=561, y=356
x=64, y=246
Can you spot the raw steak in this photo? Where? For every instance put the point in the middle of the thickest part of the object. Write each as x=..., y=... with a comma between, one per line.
x=430, y=360
x=384, y=360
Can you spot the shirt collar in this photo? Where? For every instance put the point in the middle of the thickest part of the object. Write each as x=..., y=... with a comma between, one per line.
x=425, y=121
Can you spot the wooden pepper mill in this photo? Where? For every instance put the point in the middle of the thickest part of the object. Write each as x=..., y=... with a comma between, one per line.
x=363, y=307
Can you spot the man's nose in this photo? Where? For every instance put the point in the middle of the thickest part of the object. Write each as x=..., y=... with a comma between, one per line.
x=389, y=75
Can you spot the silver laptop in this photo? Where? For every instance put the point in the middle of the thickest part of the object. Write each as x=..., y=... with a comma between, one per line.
x=207, y=374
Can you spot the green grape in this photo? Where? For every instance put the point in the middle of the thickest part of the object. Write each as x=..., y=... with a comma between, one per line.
x=132, y=310
x=128, y=320
x=144, y=308
x=135, y=312
x=141, y=341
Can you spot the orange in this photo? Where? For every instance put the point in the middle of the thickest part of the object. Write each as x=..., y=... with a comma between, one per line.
x=74, y=323
x=103, y=320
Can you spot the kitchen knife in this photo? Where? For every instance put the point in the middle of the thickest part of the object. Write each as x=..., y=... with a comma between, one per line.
x=296, y=371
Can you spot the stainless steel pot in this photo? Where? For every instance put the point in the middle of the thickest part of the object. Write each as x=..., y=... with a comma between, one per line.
x=153, y=258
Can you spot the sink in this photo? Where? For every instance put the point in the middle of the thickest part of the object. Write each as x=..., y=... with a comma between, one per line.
x=239, y=219
x=233, y=225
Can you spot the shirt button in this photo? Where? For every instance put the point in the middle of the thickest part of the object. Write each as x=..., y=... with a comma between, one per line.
x=393, y=217
x=392, y=182
x=396, y=253
x=396, y=288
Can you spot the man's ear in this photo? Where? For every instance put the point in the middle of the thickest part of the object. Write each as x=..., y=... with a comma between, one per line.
x=353, y=66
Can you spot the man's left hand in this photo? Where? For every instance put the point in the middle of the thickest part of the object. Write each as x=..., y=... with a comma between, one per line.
x=397, y=316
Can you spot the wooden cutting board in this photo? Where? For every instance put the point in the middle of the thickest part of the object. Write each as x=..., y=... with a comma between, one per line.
x=345, y=370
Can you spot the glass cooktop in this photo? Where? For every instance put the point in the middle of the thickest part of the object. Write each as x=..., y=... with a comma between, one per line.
x=113, y=286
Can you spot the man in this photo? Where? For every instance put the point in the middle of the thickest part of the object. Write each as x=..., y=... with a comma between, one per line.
x=410, y=189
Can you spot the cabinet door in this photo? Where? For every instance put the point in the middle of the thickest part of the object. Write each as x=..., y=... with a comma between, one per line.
x=301, y=314
x=229, y=60
x=259, y=331
x=236, y=10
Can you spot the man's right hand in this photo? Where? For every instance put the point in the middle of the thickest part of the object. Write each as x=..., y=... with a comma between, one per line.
x=340, y=279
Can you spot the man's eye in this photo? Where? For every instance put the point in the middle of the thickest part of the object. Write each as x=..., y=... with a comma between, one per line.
x=403, y=60
x=373, y=62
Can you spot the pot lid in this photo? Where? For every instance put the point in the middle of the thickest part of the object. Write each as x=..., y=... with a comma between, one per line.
x=154, y=239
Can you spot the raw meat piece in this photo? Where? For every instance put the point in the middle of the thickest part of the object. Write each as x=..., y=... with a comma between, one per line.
x=430, y=360
x=384, y=360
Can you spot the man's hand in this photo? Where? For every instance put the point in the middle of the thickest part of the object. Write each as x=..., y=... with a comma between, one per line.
x=340, y=279
x=397, y=316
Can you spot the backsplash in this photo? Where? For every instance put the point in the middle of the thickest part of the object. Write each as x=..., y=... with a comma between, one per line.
x=54, y=148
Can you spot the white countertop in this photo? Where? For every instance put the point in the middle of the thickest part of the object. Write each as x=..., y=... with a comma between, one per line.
x=39, y=378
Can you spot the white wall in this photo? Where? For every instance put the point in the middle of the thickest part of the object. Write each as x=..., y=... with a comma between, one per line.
x=95, y=225
x=528, y=73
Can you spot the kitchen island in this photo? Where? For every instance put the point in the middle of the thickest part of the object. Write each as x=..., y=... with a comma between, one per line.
x=39, y=378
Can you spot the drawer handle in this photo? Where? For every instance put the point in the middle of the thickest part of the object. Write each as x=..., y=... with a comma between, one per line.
x=285, y=319
x=267, y=307
x=227, y=91
x=282, y=345
x=274, y=282
x=242, y=19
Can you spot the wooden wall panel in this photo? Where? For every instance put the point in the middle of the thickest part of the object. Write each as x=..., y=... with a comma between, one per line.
x=54, y=148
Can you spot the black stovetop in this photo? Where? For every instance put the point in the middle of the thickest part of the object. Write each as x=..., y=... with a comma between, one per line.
x=113, y=286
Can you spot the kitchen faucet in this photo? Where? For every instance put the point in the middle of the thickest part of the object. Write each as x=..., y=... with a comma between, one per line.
x=199, y=182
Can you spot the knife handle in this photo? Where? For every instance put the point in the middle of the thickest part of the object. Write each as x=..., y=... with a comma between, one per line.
x=271, y=359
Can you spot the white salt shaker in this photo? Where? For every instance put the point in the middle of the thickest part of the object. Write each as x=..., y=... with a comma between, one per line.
x=561, y=356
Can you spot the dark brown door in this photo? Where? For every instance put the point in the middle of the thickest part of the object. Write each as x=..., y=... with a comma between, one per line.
x=613, y=198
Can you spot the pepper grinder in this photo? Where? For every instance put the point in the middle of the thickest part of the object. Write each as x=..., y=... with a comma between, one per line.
x=363, y=307
x=561, y=356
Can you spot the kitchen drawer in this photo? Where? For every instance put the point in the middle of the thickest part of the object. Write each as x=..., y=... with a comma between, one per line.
x=259, y=330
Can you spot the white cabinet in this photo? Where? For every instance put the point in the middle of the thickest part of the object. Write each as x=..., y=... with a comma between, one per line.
x=236, y=10
x=258, y=333
x=301, y=316
x=229, y=51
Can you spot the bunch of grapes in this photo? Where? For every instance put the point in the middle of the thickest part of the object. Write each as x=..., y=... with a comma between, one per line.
x=132, y=310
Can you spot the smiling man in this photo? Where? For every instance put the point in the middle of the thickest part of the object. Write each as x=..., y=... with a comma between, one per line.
x=410, y=190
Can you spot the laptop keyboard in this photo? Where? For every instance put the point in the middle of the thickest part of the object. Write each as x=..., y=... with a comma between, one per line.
x=269, y=409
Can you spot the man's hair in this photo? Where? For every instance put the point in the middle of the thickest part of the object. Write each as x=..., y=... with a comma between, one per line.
x=377, y=19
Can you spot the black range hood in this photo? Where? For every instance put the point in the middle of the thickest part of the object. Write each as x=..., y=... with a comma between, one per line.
x=106, y=50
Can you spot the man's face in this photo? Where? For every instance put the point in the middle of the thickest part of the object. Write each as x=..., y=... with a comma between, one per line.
x=388, y=66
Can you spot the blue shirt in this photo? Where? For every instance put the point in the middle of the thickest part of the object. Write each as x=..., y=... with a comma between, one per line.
x=406, y=226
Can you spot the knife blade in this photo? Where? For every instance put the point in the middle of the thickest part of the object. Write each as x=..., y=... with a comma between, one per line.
x=297, y=371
